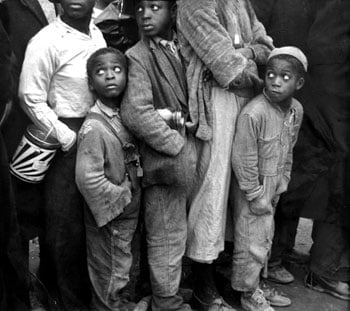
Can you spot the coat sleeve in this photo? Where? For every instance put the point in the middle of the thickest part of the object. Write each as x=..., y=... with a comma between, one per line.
x=262, y=43
x=140, y=116
x=105, y=199
x=200, y=26
x=245, y=156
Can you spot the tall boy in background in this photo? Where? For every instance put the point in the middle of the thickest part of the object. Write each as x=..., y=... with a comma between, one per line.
x=156, y=80
x=54, y=93
x=267, y=130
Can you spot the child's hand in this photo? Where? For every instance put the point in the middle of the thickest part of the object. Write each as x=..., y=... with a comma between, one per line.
x=165, y=114
x=260, y=206
x=126, y=182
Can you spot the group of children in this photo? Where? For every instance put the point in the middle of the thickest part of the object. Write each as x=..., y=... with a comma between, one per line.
x=135, y=136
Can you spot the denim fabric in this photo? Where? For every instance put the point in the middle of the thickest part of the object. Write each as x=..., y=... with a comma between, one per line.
x=109, y=254
x=253, y=235
x=264, y=142
x=166, y=228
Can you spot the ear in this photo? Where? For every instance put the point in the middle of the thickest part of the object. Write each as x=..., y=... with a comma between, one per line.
x=300, y=83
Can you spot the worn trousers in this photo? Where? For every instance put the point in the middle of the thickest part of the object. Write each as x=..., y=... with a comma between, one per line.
x=109, y=255
x=253, y=234
x=166, y=231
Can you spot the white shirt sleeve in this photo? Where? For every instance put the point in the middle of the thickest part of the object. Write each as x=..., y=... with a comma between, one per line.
x=38, y=69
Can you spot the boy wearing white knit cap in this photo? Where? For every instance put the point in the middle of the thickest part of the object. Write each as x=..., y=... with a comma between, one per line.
x=267, y=130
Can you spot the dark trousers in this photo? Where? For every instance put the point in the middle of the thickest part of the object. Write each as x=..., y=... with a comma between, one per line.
x=63, y=264
x=13, y=267
x=284, y=236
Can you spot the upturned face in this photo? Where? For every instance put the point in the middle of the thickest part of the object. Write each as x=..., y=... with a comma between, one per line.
x=155, y=18
x=76, y=9
x=108, y=79
x=281, y=81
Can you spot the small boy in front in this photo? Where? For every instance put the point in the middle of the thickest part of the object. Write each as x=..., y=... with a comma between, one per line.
x=156, y=88
x=267, y=130
x=106, y=175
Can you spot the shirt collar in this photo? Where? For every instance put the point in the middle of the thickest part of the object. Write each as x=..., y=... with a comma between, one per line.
x=157, y=40
x=92, y=28
x=108, y=111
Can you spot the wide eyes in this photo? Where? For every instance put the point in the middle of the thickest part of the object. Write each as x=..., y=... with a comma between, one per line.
x=285, y=77
x=154, y=7
x=102, y=71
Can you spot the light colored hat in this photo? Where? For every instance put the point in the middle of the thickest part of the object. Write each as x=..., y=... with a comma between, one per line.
x=292, y=51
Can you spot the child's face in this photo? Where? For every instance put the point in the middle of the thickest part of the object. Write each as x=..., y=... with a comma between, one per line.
x=281, y=80
x=77, y=9
x=155, y=18
x=108, y=78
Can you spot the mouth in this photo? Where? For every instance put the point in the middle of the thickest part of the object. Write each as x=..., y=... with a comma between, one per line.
x=147, y=27
x=111, y=87
x=275, y=92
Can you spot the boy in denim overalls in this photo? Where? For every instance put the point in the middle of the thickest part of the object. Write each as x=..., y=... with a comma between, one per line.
x=106, y=175
x=267, y=130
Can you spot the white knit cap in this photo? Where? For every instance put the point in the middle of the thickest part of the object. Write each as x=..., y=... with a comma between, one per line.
x=292, y=51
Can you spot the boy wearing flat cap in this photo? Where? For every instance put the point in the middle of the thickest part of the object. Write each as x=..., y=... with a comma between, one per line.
x=267, y=130
x=156, y=93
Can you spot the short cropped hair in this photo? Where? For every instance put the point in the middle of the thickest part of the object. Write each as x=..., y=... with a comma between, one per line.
x=296, y=64
x=91, y=62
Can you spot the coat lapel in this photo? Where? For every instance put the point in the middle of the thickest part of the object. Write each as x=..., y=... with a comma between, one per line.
x=172, y=72
x=35, y=8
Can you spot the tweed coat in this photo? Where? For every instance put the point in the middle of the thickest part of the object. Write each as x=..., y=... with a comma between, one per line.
x=156, y=80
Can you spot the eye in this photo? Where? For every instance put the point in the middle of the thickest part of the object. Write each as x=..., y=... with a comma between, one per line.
x=155, y=7
x=286, y=77
x=100, y=72
x=270, y=75
x=139, y=9
x=117, y=69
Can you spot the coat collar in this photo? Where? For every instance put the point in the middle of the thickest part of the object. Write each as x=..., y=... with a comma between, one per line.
x=171, y=69
x=35, y=8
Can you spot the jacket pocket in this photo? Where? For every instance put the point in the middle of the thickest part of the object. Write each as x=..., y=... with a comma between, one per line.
x=268, y=155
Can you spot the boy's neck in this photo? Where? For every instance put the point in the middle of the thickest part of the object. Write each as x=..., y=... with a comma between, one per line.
x=82, y=24
x=113, y=103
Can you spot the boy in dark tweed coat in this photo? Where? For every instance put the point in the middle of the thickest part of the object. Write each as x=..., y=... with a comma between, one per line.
x=157, y=85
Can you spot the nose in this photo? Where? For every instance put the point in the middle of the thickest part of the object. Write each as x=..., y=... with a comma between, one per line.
x=109, y=74
x=146, y=13
x=277, y=81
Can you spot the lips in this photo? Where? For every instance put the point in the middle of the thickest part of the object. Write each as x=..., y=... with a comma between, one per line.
x=147, y=27
x=111, y=86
